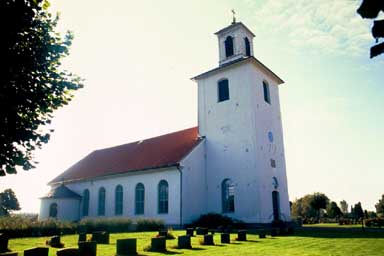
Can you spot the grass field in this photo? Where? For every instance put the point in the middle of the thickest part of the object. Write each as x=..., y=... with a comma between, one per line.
x=304, y=243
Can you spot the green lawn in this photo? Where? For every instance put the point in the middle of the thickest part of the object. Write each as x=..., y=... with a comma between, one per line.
x=303, y=243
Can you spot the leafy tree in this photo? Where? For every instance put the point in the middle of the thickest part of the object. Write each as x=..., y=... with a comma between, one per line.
x=380, y=206
x=344, y=207
x=32, y=85
x=370, y=9
x=8, y=202
x=319, y=201
x=358, y=211
x=333, y=210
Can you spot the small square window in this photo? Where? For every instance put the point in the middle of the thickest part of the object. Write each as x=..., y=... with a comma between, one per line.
x=273, y=163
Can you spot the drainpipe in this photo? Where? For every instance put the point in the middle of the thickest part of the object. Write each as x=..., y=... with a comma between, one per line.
x=180, y=168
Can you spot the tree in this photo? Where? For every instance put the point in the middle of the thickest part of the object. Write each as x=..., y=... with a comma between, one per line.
x=370, y=9
x=333, y=210
x=319, y=201
x=358, y=211
x=380, y=206
x=32, y=85
x=8, y=202
x=344, y=207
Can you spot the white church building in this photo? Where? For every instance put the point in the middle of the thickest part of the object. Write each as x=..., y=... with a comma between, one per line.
x=232, y=163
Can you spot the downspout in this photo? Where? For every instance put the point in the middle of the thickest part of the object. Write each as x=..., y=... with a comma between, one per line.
x=180, y=168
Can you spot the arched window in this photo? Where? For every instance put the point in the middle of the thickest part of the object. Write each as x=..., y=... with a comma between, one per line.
x=119, y=200
x=53, y=210
x=267, y=96
x=139, y=198
x=223, y=90
x=228, y=196
x=163, y=196
x=228, y=46
x=85, y=202
x=101, y=205
x=247, y=46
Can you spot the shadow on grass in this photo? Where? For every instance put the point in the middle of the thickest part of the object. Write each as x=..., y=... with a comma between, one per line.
x=338, y=233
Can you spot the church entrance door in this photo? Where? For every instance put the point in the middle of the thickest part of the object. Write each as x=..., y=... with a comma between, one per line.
x=276, y=205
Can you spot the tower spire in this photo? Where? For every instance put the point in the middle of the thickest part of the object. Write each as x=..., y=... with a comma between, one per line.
x=234, y=17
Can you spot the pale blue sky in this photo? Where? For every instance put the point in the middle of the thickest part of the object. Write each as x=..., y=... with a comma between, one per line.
x=138, y=57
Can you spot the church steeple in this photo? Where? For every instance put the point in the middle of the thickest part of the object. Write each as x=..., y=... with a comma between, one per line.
x=235, y=41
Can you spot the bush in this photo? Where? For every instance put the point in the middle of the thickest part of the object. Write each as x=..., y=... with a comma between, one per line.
x=149, y=224
x=112, y=225
x=374, y=222
x=215, y=220
x=21, y=226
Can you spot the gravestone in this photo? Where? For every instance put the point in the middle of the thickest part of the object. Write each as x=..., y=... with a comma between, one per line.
x=242, y=235
x=82, y=237
x=208, y=240
x=273, y=232
x=201, y=231
x=163, y=233
x=9, y=254
x=37, y=251
x=262, y=234
x=126, y=247
x=68, y=252
x=225, y=238
x=184, y=242
x=87, y=248
x=190, y=231
x=3, y=242
x=158, y=244
x=100, y=237
x=55, y=242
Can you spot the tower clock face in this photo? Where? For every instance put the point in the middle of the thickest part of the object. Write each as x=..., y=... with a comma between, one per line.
x=270, y=137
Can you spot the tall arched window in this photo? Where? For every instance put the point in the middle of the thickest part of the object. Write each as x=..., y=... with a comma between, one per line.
x=163, y=196
x=119, y=200
x=139, y=198
x=101, y=205
x=53, y=210
x=247, y=46
x=228, y=196
x=85, y=202
x=228, y=46
x=223, y=90
x=267, y=96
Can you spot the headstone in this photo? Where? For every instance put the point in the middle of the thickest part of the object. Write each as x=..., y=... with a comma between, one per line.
x=37, y=251
x=190, y=231
x=55, y=242
x=273, y=232
x=163, y=233
x=158, y=244
x=242, y=235
x=262, y=234
x=100, y=237
x=201, y=231
x=208, y=240
x=126, y=247
x=68, y=252
x=3, y=242
x=225, y=238
x=184, y=242
x=82, y=237
x=87, y=248
x=9, y=254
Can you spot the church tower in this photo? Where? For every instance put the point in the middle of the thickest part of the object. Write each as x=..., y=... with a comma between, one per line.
x=239, y=116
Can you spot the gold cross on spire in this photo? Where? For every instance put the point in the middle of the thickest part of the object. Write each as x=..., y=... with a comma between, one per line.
x=234, y=18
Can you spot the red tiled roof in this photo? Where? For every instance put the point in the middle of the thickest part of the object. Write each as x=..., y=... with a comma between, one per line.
x=157, y=152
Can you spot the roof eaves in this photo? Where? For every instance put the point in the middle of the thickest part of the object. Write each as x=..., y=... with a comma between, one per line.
x=117, y=173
